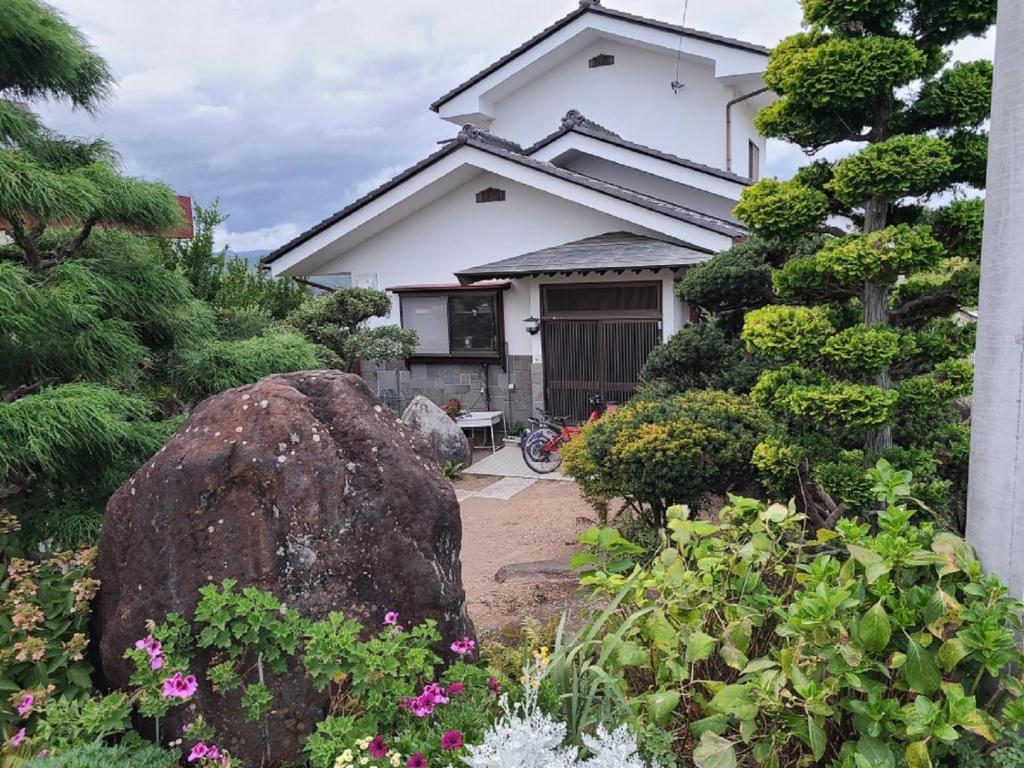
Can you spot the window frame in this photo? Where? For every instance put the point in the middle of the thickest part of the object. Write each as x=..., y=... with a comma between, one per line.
x=485, y=356
x=754, y=160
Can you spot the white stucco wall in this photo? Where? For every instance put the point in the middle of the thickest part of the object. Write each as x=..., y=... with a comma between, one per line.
x=633, y=97
x=455, y=232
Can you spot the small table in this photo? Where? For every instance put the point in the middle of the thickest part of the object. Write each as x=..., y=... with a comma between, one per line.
x=482, y=420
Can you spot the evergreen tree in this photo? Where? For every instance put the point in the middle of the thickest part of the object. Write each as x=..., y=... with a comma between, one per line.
x=864, y=330
x=99, y=340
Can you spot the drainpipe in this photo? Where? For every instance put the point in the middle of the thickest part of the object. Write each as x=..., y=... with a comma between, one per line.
x=728, y=123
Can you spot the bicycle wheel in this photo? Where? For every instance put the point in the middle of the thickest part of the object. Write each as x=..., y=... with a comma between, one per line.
x=537, y=450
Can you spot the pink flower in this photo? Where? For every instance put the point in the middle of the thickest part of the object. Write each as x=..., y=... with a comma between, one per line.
x=179, y=687
x=417, y=761
x=455, y=689
x=451, y=740
x=493, y=685
x=26, y=704
x=391, y=617
x=19, y=737
x=156, y=662
x=378, y=747
x=199, y=752
x=463, y=646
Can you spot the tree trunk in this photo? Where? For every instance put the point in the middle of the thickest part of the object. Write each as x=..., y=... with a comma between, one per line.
x=876, y=312
x=995, y=496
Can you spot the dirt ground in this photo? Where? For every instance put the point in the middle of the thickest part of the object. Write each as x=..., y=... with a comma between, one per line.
x=539, y=523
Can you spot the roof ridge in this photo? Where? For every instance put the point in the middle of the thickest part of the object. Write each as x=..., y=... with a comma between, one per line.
x=594, y=6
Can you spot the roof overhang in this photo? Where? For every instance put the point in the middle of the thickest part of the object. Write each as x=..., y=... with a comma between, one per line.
x=457, y=164
x=734, y=61
x=612, y=252
x=640, y=158
x=503, y=285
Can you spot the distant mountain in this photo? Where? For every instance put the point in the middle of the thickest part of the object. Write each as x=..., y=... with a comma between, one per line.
x=253, y=257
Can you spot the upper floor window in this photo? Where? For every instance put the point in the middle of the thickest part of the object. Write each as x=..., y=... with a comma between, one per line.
x=456, y=324
x=754, y=160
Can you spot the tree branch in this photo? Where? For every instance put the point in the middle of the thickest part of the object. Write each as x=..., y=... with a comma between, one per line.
x=26, y=242
x=71, y=248
x=943, y=297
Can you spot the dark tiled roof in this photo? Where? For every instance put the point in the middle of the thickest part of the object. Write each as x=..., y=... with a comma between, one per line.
x=485, y=142
x=612, y=251
x=592, y=6
x=574, y=122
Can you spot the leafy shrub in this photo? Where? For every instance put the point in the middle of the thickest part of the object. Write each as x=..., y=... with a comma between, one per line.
x=44, y=624
x=218, y=365
x=699, y=356
x=658, y=453
x=750, y=642
x=781, y=209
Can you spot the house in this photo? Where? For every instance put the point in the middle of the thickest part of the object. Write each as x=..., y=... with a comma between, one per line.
x=535, y=253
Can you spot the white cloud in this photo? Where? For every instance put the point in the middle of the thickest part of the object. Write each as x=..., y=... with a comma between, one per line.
x=287, y=111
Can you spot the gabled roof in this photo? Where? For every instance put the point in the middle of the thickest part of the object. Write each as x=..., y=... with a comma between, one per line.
x=574, y=122
x=474, y=137
x=595, y=7
x=610, y=252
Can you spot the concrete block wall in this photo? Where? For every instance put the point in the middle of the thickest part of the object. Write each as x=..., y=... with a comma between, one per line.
x=476, y=387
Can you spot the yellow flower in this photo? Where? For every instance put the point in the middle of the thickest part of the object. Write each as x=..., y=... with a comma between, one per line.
x=396, y=760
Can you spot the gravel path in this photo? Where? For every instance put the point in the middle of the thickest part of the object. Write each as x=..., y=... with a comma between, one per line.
x=538, y=523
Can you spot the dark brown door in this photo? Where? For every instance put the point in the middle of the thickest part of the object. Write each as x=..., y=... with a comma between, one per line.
x=595, y=340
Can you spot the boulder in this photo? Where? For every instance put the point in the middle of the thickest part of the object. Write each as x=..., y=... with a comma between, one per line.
x=437, y=428
x=303, y=485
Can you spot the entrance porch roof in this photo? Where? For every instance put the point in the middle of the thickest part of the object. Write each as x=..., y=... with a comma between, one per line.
x=611, y=252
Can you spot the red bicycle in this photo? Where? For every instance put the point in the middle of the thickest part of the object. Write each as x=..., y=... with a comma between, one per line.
x=542, y=443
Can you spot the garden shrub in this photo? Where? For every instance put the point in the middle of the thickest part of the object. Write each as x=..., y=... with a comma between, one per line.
x=699, y=356
x=679, y=449
x=44, y=625
x=101, y=756
x=752, y=642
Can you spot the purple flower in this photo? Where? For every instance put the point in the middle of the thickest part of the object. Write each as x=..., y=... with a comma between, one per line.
x=378, y=747
x=418, y=760
x=451, y=740
x=179, y=687
x=156, y=662
x=26, y=704
x=455, y=689
x=391, y=617
x=493, y=685
x=19, y=737
x=463, y=646
x=199, y=752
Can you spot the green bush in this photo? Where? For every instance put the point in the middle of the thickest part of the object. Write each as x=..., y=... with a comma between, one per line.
x=750, y=642
x=699, y=356
x=781, y=209
x=681, y=448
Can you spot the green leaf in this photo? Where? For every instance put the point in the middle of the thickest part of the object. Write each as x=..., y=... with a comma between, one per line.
x=735, y=700
x=714, y=752
x=920, y=671
x=876, y=752
x=699, y=647
x=630, y=654
x=917, y=755
x=874, y=629
x=661, y=705
x=952, y=653
x=816, y=738
x=874, y=564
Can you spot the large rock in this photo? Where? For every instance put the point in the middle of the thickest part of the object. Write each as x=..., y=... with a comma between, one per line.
x=304, y=485
x=437, y=428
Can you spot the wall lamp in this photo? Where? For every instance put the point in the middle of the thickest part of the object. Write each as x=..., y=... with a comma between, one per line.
x=532, y=325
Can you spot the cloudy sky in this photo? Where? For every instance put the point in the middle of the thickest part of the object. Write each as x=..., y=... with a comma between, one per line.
x=288, y=110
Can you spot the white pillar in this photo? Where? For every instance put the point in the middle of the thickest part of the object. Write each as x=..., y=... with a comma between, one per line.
x=995, y=505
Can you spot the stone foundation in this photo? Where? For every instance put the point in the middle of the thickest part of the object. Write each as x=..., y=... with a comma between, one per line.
x=477, y=387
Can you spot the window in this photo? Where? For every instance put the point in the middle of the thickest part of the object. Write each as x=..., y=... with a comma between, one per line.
x=754, y=160
x=456, y=324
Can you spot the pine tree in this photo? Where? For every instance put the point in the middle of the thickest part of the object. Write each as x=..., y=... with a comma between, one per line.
x=865, y=334
x=101, y=343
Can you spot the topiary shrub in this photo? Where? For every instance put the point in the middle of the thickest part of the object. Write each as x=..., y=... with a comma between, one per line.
x=700, y=356
x=657, y=453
